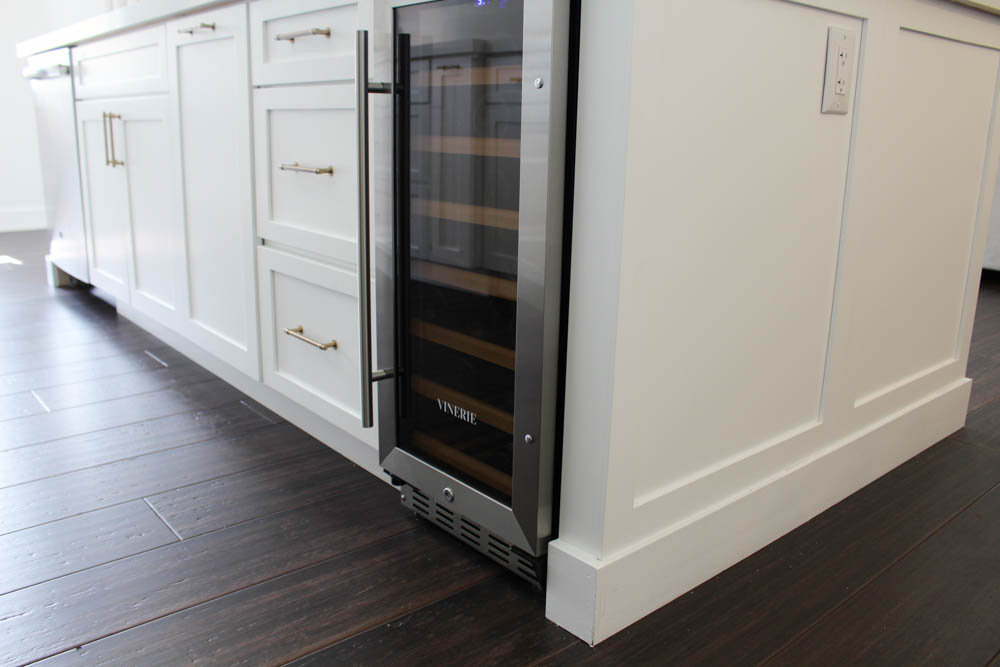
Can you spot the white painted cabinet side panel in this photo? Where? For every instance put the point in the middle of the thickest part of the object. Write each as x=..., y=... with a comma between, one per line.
x=732, y=233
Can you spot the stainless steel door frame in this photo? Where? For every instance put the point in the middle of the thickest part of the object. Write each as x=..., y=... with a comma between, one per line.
x=527, y=523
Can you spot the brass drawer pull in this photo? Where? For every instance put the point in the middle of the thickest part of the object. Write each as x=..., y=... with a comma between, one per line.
x=194, y=28
x=109, y=132
x=297, y=332
x=291, y=36
x=295, y=166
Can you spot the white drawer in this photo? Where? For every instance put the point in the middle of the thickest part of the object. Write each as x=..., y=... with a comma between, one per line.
x=320, y=301
x=299, y=41
x=130, y=64
x=307, y=128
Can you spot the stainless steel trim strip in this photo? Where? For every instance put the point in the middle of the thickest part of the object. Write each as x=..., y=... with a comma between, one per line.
x=363, y=88
x=54, y=72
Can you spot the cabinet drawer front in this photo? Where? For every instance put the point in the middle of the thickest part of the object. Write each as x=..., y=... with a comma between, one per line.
x=318, y=302
x=300, y=131
x=129, y=64
x=302, y=41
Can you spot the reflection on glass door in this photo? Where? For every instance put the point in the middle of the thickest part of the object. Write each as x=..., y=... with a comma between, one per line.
x=458, y=169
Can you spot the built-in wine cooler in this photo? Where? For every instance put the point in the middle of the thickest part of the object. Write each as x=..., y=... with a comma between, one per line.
x=468, y=287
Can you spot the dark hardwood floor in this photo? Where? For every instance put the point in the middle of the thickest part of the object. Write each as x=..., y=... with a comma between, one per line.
x=150, y=514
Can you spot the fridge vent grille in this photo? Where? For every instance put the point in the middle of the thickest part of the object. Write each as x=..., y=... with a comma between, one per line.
x=516, y=560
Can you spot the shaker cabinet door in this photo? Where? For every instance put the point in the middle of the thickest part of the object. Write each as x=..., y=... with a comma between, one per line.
x=105, y=200
x=157, y=246
x=207, y=62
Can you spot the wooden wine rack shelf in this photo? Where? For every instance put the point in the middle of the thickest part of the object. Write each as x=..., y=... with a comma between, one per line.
x=461, y=461
x=486, y=146
x=469, y=281
x=464, y=343
x=485, y=412
x=479, y=215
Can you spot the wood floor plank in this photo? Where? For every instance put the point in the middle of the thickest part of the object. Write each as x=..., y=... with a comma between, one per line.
x=60, y=356
x=65, y=613
x=90, y=369
x=53, y=498
x=754, y=608
x=39, y=554
x=24, y=404
x=87, y=392
x=498, y=622
x=938, y=605
x=282, y=619
x=35, y=429
x=57, y=457
x=982, y=427
x=90, y=334
x=223, y=502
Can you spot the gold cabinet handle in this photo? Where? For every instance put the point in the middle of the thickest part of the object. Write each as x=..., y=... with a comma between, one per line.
x=194, y=28
x=298, y=332
x=291, y=36
x=109, y=132
x=295, y=166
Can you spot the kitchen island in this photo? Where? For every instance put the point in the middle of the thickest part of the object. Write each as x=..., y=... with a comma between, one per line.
x=768, y=306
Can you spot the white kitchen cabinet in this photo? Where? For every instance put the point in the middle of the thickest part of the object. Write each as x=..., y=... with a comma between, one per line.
x=130, y=202
x=310, y=337
x=207, y=62
x=299, y=41
x=306, y=163
x=128, y=64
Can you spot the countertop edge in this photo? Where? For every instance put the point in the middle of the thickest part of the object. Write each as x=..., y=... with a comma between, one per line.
x=118, y=20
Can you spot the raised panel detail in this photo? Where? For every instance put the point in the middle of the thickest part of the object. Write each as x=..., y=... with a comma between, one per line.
x=731, y=161
x=213, y=111
x=286, y=50
x=308, y=127
x=908, y=315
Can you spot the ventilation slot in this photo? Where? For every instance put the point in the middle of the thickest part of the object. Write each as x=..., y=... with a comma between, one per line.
x=470, y=532
x=421, y=503
x=444, y=517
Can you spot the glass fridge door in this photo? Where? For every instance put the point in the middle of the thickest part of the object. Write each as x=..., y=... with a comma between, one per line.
x=458, y=153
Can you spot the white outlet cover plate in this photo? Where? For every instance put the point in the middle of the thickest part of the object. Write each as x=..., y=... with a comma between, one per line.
x=841, y=64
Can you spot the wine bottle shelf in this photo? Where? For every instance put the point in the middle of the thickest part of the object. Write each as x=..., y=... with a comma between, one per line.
x=464, y=343
x=461, y=461
x=486, y=146
x=467, y=76
x=470, y=281
x=486, y=413
x=478, y=215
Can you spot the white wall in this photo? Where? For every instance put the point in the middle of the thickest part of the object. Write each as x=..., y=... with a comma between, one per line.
x=21, y=199
x=769, y=307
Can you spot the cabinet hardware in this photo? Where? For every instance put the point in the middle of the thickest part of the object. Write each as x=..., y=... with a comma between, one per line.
x=295, y=166
x=109, y=134
x=298, y=332
x=362, y=88
x=291, y=36
x=194, y=28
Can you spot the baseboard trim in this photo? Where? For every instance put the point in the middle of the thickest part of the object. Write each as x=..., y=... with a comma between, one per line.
x=358, y=452
x=594, y=599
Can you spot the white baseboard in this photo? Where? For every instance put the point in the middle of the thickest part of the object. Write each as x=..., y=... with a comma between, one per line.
x=350, y=447
x=22, y=218
x=594, y=599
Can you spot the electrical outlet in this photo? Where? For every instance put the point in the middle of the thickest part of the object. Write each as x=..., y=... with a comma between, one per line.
x=841, y=45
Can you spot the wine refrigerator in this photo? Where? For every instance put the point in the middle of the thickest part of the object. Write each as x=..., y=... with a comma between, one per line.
x=468, y=272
